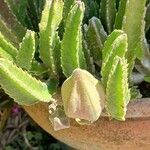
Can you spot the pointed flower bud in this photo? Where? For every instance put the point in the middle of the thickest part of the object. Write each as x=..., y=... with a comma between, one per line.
x=83, y=97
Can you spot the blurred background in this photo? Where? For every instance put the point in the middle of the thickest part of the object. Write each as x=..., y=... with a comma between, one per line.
x=21, y=133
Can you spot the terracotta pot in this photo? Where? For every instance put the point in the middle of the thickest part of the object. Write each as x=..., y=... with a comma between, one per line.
x=105, y=134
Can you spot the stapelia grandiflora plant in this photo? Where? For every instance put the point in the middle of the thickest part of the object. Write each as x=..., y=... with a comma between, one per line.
x=96, y=55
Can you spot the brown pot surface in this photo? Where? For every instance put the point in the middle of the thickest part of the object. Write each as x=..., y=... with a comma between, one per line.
x=133, y=134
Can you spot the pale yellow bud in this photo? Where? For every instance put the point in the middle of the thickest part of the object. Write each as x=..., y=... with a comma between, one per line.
x=83, y=97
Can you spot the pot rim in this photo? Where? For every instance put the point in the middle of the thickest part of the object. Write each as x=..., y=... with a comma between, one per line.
x=137, y=109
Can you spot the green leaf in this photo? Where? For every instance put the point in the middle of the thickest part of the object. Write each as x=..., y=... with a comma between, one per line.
x=57, y=55
x=107, y=14
x=95, y=37
x=147, y=17
x=21, y=86
x=143, y=65
x=7, y=46
x=39, y=4
x=120, y=14
x=37, y=68
x=67, y=6
x=117, y=92
x=115, y=45
x=10, y=19
x=82, y=61
x=52, y=85
x=7, y=32
x=135, y=93
x=4, y=54
x=134, y=26
x=26, y=51
x=18, y=9
x=12, y=5
x=147, y=79
x=88, y=58
x=71, y=43
x=91, y=9
x=33, y=13
x=51, y=18
x=117, y=4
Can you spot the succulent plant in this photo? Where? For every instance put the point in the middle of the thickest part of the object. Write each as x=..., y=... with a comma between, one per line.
x=65, y=44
